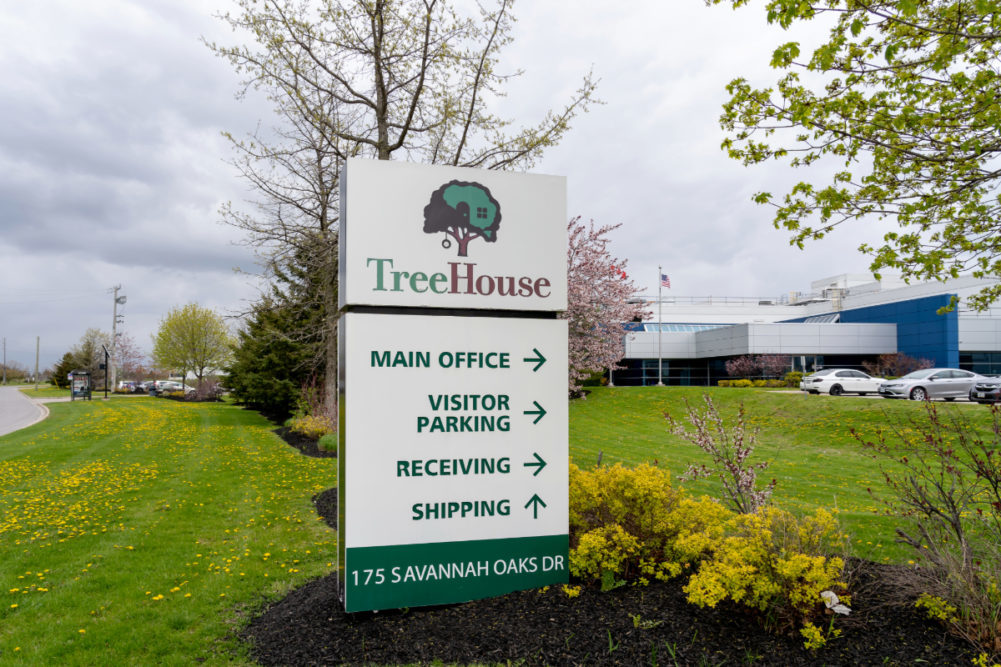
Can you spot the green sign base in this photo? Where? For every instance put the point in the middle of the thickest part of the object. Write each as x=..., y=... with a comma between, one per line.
x=409, y=575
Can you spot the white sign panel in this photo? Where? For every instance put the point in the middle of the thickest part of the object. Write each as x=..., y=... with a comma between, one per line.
x=449, y=237
x=453, y=467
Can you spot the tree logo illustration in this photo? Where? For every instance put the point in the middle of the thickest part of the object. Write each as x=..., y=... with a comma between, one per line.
x=464, y=211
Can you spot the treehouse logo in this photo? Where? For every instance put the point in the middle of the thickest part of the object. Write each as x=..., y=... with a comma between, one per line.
x=463, y=211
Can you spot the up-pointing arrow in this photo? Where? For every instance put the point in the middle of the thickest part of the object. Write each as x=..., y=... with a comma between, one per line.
x=538, y=411
x=539, y=464
x=538, y=359
x=535, y=501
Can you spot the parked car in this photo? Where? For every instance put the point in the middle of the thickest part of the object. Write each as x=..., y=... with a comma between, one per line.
x=927, y=383
x=986, y=390
x=837, y=381
x=164, y=386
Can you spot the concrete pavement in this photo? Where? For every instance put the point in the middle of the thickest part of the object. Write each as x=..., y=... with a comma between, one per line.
x=17, y=411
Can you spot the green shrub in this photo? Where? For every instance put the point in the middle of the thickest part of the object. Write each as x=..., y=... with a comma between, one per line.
x=793, y=378
x=327, y=442
x=743, y=384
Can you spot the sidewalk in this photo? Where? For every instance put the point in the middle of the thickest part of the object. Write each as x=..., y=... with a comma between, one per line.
x=17, y=411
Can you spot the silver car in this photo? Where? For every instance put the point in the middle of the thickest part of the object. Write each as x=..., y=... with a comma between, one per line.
x=928, y=383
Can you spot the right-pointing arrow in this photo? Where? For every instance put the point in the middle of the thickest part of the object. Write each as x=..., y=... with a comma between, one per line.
x=538, y=359
x=538, y=463
x=535, y=501
x=539, y=410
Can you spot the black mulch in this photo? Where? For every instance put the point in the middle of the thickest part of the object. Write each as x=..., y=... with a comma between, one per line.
x=305, y=445
x=326, y=506
x=631, y=625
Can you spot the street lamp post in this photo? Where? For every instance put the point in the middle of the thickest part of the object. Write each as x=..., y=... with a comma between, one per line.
x=113, y=368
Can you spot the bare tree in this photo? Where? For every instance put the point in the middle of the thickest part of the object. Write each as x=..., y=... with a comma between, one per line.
x=387, y=79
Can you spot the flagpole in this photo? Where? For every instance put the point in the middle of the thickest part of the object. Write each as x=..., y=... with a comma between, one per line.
x=660, y=325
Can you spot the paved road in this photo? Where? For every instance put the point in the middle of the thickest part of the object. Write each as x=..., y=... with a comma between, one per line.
x=17, y=410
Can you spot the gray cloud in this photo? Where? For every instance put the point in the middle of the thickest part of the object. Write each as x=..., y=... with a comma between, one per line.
x=112, y=167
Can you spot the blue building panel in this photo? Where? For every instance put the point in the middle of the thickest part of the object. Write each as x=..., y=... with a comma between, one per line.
x=921, y=332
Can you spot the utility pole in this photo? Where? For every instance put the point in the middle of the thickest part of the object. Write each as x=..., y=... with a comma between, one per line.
x=660, y=325
x=5, y=361
x=112, y=363
x=38, y=345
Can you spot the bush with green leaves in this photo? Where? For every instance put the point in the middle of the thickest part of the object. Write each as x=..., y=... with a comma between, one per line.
x=793, y=378
x=327, y=442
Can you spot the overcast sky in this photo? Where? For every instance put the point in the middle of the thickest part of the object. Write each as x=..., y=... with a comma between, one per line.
x=113, y=168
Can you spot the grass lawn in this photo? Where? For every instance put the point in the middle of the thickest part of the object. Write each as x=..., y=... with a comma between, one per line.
x=46, y=391
x=806, y=439
x=143, y=532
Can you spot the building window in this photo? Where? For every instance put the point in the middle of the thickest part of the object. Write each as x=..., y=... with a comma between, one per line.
x=481, y=212
x=984, y=363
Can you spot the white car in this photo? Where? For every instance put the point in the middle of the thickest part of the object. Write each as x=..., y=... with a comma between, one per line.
x=837, y=381
x=164, y=386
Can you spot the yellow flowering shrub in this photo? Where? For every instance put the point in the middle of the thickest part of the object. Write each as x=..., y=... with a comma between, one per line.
x=937, y=608
x=570, y=591
x=630, y=524
x=772, y=562
x=983, y=660
x=311, y=426
x=815, y=637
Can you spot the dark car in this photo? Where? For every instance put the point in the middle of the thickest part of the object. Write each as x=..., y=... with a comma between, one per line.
x=986, y=390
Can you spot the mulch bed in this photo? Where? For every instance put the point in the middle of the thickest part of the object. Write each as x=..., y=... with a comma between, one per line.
x=631, y=625
x=306, y=446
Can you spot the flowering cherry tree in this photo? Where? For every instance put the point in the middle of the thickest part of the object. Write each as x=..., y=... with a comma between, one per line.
x=598, y=290
x=729, y=446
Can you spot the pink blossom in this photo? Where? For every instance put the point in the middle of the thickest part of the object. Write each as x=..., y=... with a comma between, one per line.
x=598, y=290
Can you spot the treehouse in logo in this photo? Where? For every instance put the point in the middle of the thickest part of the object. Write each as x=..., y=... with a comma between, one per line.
x=463, y=211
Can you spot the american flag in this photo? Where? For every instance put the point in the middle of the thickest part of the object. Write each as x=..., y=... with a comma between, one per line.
x=665, y=281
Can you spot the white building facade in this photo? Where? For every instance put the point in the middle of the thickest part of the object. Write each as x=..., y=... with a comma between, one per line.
x=845, y=321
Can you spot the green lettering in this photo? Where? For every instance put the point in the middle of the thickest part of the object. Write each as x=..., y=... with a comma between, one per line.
x=439, y=283
x=397, y=277
x=417, y=280
x=379, y=275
